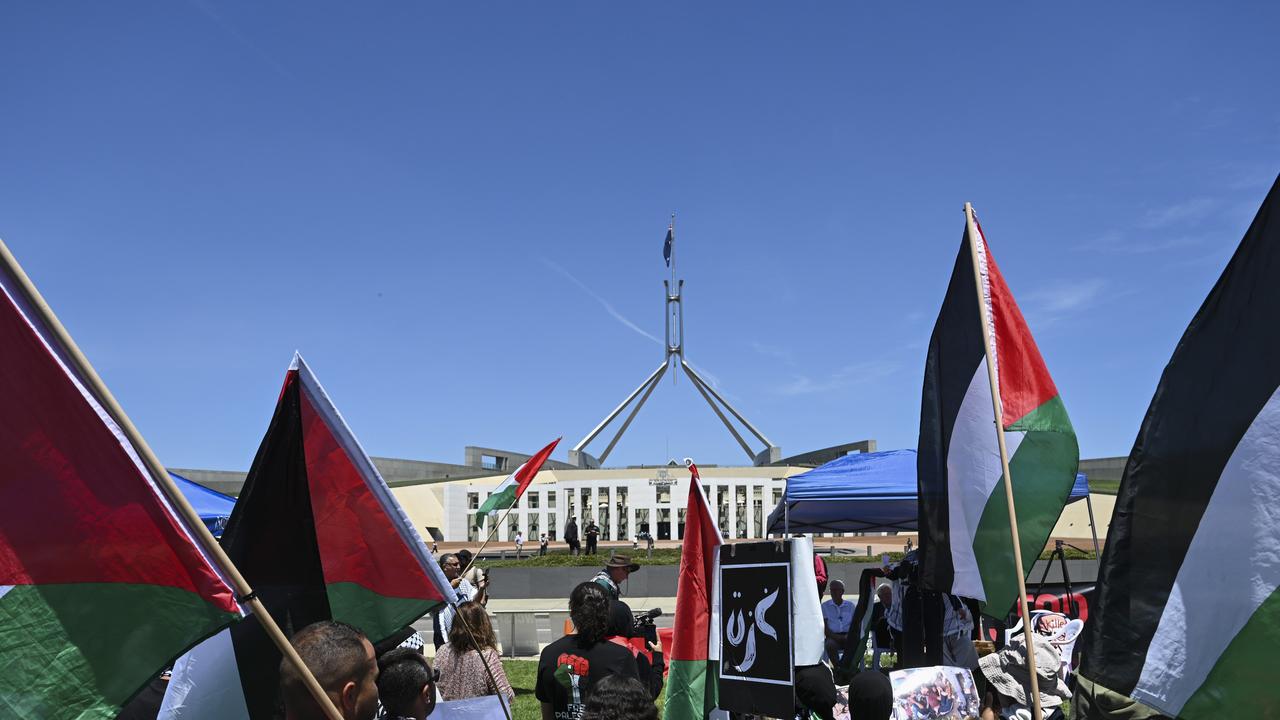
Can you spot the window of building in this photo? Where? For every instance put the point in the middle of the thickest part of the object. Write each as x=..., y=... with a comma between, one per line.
x=513, y=526
x=473, y=501
x=722, y=503
x=602, y=513
x=534, y=499
x=664, y=523
x=664, y=494
x=551, y=526
x=531, y=536
x=642, y=521
x=586, y=505
x=551, y=499
x=777, y=496
x=620, y=498
x=740, y=500
x=680, y=514
x=758, y=510
x=493, y=462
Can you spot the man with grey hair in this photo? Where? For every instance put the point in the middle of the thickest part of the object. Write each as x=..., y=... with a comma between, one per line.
x=451, y=566
x=837, y=616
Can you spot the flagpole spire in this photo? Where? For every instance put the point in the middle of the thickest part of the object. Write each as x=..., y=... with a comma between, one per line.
x=972, y=233
x=160, y=476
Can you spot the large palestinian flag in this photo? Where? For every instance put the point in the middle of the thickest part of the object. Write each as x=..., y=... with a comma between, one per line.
x=509, y=492
x=1187, y=618
x=965, y=546
x=695, y=652
x=318, y=535
x=101, y=584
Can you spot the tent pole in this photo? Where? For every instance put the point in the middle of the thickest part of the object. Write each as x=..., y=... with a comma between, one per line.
x=160, y=476
x=1088, y=502
x=972, y=234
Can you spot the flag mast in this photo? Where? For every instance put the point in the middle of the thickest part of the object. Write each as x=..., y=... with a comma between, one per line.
x=159, y=475
x=1028, y=632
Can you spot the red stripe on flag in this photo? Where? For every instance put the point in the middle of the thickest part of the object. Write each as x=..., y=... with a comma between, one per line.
x=696, y=579
x=529, y=470
x=357, y=540
x=1024, y=379
x=74, y=507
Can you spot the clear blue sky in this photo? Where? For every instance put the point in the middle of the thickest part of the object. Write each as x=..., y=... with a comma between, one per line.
x=435, y=201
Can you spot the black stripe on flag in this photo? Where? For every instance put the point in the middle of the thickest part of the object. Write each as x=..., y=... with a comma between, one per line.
x=271, y=537
x=955, y=353
x=1225, y=368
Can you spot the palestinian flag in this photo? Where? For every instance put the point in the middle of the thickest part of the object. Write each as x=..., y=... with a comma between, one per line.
x=509, y=492
x=1187, y=618
x=695, y=651
x=319, y=536
x=965, y=546
x=101, y=583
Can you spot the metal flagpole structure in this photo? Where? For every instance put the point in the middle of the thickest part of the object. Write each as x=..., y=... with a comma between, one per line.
x=159, y=475
x=673, y=359
x=1027, y=631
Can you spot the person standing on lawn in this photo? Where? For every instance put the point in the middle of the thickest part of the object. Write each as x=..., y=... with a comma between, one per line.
x=593, y=535
x=570, y=667
x=617, y=570
x=542, y=545
x=571, y=536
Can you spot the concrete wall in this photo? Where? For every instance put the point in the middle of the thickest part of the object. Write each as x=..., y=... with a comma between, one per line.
x=1104, y=468
x=659, y=581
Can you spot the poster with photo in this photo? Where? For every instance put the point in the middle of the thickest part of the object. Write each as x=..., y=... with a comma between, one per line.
x=757, y=673
x=934, y=693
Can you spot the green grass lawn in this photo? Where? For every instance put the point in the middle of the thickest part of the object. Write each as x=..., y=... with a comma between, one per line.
x=523, y=674
x=1104, y=487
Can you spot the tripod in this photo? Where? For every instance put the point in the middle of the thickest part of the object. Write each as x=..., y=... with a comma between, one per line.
x=1066, y=576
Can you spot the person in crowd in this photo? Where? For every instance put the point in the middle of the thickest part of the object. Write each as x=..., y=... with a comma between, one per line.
x=816, y=690
x=341, y=659
x=870, y=697
x=837, y=617
x=881, y=635
x=451, y=566
x=615, y=572
x=957, y=634
x=435, y=549
x=1009, y=682
x=620, y=698
x=621, y=631
x=519, y=543
x=592, y=532
x=571, y=536
x=476, y=575
x=569, y=668
x=405, y=685
x=542, y=545
x=462, y=661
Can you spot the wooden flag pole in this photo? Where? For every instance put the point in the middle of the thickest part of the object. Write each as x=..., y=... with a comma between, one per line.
x=1028, y=632
x=161, y=477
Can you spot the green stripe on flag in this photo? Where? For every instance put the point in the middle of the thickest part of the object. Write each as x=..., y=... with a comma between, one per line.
x=377, y=615
x=495, y=502
x=687, y=696
x=1044, y=469
x=1235, y=684
x=81, y=650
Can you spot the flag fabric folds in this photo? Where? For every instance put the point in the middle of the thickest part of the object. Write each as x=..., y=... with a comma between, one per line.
x=668, y=245
x=101, y=583
x=691, y=679
x=965, y=545
x=1187, y=618
x=318, y=535
x=508, y=493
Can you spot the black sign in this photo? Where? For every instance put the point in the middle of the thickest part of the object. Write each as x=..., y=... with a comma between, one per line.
x=757, y=673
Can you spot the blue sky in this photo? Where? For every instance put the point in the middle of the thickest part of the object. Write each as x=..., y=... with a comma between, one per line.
x=455, y=210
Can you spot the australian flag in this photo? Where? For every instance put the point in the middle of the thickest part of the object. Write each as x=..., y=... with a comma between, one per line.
x=666, y=245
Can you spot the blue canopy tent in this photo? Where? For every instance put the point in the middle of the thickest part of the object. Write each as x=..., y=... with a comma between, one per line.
x=213, y=507
x=864, y=492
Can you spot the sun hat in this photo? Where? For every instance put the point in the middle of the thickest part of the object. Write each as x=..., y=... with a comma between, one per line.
x=622, y=561
x=1008, y=673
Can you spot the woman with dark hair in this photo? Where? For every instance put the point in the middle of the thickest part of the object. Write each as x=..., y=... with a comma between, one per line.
x=620, y=698
x=461, y=661
x=570, y=667
x=621, y=630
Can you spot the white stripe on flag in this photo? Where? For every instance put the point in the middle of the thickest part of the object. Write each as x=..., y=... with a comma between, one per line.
x=973, y=473
x=1231, y=567
x=206, y=684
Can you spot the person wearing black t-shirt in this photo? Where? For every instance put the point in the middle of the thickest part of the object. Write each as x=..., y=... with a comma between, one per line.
x=569, y=667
